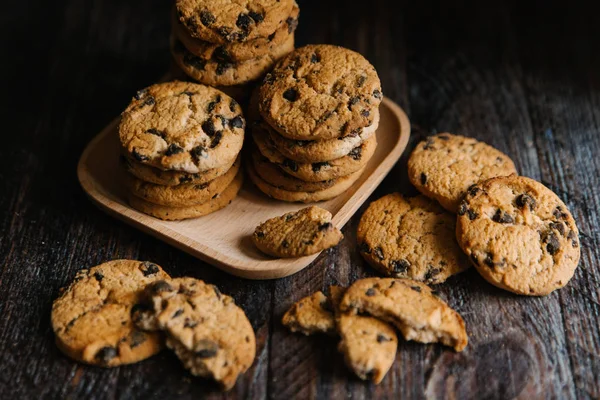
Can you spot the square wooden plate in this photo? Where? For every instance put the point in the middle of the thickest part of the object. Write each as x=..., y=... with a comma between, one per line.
x=223, y=238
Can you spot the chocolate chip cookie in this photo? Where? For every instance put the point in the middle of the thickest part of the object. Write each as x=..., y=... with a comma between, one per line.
x=320, y=92
x=519, y=235
x=209, y=333
x=444, y=166
x=182, y=126
x=297, y=234
x=230, y=21
x=91, y=318
x=410, y=238
x=410, y=306
x=310, y=315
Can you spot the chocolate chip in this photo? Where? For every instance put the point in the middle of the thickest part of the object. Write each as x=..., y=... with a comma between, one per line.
x=154, y=131
x=208, y=127
x=213, y=104
x=223, y=66
x=559, y=214
x=365, y=113
x=201, y=186
x=428, y=143
x=149, y=268
x=105, y=354
x=160, y=286
x=416, y=288
x=292, y=24
x=474, y=259
x=316, y=167
x=473, y=190
x=233, y=105
x=206, y=17
x=573, y=238
x=194, y=61
x=325, y=226
x=472, y=214
x=98, y=276
x=400, y=266
x=257, y=17
x=199, y=152
x=291, y=95
x=443, y=137
x=377, y=94
x=285, y=244
x=216, y=139
x=489, y=261
x=352, y=101
x=462, y=208
x=324, y=117
x=173, y=149
x=138, y=156
x=259, y=234
x=290, y=164
x=524, y=199
x=243, y=22
x=370, y=292
x=149, y=101
x=188, y=323
x=326, y=305
x=177, y=313
x=236, y=122
x=379, y=253
x=206, y=348
x=431, y=273
x=559, y=226
x=364, y=248
x=140, y=94
x=552, y=243
x=356, y=153
x=361, y=81
x=314, y=58
x=382, y=338
x=502, y=217
x=423, y=178
x=137, y=338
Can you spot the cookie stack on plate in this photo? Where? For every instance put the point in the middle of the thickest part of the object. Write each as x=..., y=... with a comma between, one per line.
x=314, y=118
x=180, y=143
x=229, y=46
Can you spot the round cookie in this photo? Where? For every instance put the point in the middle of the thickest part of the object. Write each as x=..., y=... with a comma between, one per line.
x=355, y=160
x=320, y=92
x=170, y=178
x=182, y=126
x=297, y=234
x=520, y=236
x=443, y=167
x=410, y=238
x=177, y=213
x=227, y=21
x=274, y=176
x=221, y=73
x=91, y=318
x=343, y=184
x=236, y=51
x=311, y=151
x=185, y=195
x=209, y=333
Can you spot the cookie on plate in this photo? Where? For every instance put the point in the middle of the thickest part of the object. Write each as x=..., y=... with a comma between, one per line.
x=410, y=238
x=91, y=318
x=410, y=306
x=320, y=92
x=444, y=166
x=297, y=234
x=368, y=344
x=209, y=333
x=519, y=235
x=182, y=126
x=310, y=315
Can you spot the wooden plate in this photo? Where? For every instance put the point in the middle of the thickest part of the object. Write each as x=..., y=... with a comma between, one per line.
x=223, y=238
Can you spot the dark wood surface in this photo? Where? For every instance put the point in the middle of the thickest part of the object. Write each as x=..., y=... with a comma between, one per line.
x=523, y=76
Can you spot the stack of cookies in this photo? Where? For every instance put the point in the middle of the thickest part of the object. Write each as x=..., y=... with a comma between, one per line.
x=230, y=45
x=180, y=143
x=314, y=118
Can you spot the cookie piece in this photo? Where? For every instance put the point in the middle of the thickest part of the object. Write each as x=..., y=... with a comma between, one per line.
x=218, y=72
x=444, y=166
x=342, y=184
x=230, y=21
x=317, y=151
x=310, y=315
x=410, y=238
x=355, y=160
x=368, y=344
x=320, y=92
x=185, y=195
x=167, y=213
x=91, y=318
x=274, y=176
x=209, y=333
x=297, y=234
x=236, y=51
x=410, y=306
x=182, y=126
x=519, y=235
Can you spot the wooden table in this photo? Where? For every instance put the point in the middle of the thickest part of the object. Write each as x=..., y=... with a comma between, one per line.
x=523, y=77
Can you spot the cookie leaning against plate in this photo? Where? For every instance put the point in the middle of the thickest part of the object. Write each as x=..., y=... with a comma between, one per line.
x=209, y=333
x=182, y=126
x=444, y=166
x=410, y=238
x=320, y=92
x=520, y=236
x=91, y=318
x=229, y=21
x=297, y=234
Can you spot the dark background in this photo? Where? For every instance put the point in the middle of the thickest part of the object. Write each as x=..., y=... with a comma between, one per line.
x=521, y=75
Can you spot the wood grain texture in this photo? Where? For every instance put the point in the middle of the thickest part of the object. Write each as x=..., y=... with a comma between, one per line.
x=522, y=76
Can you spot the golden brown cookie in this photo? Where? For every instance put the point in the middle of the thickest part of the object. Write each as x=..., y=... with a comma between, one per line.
x=167, y=213
x=182, y=126
x=297, y=234
x=320, y=92
x=91, y=318
x=368, y=344
x=410, y=306
x=410, y=238
x=520, y=236
x=210, y=334
x=310, y=315
x=444, y=166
